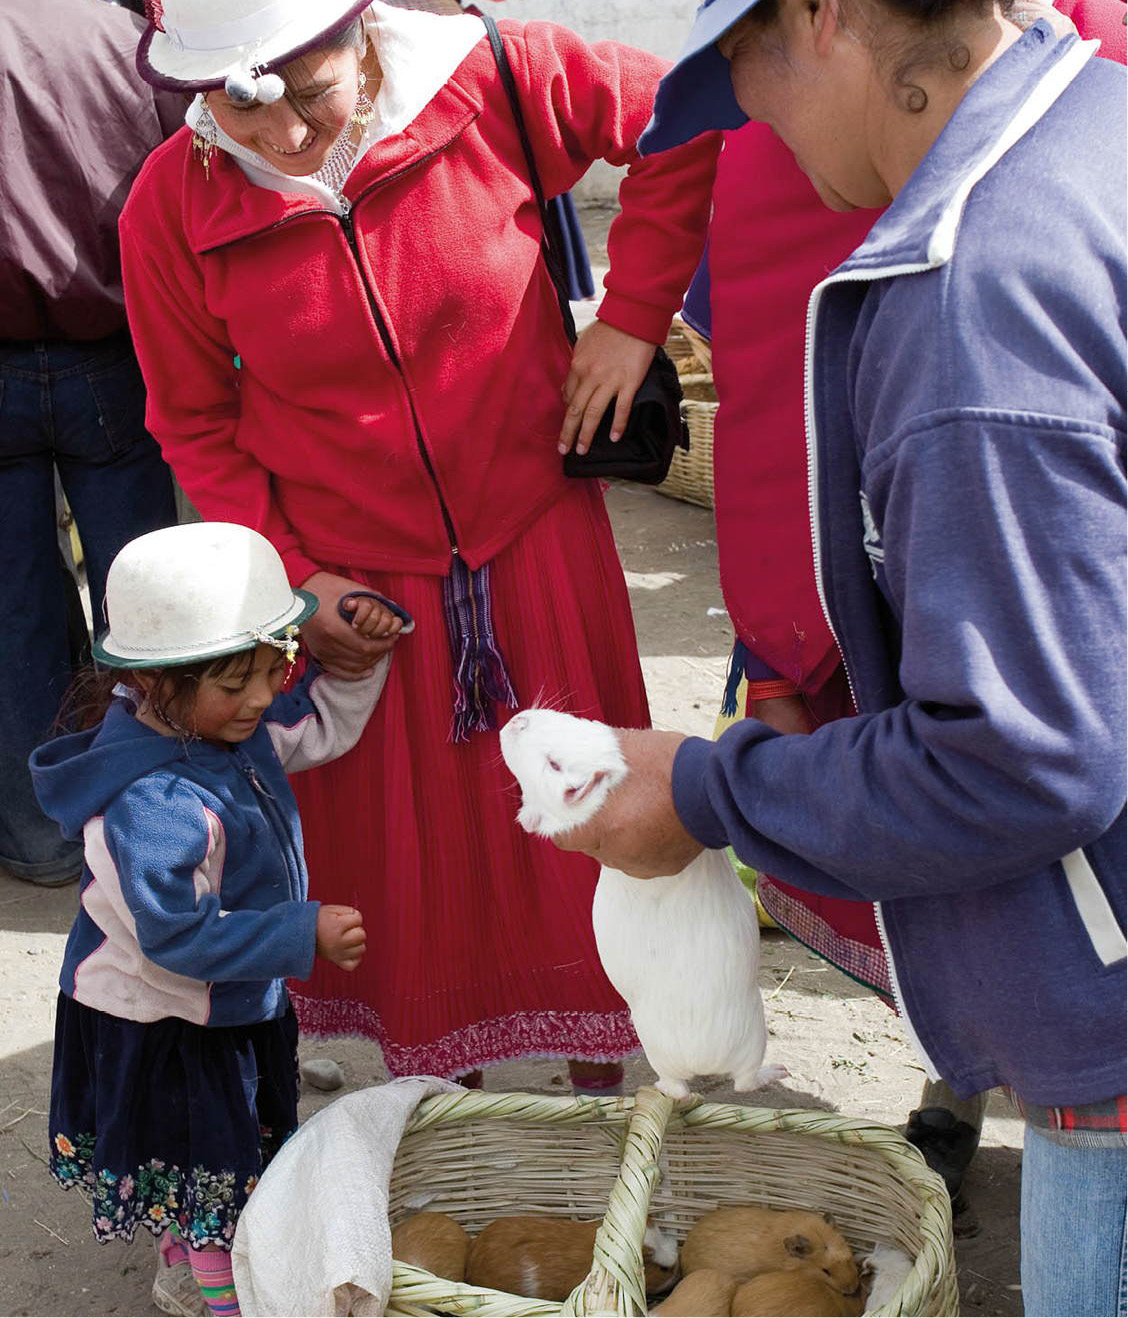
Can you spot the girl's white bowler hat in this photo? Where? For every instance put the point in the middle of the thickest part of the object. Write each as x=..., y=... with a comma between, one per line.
x=194, y=45
x=194, y=592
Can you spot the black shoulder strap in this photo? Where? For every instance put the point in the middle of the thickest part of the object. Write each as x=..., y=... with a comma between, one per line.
x=548, y=225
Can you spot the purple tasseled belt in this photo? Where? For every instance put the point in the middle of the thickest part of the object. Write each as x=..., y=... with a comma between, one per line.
x=481, y=681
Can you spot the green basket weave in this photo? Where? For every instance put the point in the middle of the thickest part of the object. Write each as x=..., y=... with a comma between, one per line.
x=480, y=1156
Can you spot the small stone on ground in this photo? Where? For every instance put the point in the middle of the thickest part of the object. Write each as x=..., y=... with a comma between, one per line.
x=322, y=1073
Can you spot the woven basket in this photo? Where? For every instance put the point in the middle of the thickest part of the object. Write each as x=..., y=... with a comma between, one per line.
x=680, y=347
x=691, y=473
x=480, y=1156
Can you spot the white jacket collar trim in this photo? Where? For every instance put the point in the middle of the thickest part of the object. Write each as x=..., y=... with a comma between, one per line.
x=943, y=240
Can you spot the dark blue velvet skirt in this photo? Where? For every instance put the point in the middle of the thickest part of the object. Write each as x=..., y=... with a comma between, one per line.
x=168, y=1122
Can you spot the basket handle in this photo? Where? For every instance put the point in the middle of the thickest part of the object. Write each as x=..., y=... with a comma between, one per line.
x=615, y=1284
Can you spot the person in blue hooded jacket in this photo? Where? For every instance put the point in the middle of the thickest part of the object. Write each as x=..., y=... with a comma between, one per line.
x=175, y=1065
x=965, y=404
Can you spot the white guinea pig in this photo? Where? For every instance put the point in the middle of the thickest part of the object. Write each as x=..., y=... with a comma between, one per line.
x=684, y=950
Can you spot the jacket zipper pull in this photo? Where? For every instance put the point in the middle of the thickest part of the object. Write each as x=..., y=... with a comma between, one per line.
x=253, y=778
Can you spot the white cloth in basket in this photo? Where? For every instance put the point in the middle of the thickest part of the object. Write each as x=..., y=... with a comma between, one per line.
x=314, y=1237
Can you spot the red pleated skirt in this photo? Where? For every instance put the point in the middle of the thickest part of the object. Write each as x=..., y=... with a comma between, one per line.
x=480, y=945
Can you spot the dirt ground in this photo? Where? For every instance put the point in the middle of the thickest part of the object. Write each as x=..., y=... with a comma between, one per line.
x=845, y=1052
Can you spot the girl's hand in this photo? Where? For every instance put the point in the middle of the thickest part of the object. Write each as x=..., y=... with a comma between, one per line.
x=339, y=646
x=371, y=619
x=340, y=936
x=638, y=830
x=607, y=365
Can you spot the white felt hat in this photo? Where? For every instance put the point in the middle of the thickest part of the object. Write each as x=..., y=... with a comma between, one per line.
x=193, y=45
x=193, y=592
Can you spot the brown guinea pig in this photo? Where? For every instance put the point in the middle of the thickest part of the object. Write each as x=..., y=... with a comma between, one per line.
x=745, y=1240
x=546, y=1258
x=432, y=1241
x=802, y=1292
x=703, y=1294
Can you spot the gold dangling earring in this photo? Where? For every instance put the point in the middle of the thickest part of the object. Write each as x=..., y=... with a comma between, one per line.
x=204, y=140
x=365, y=111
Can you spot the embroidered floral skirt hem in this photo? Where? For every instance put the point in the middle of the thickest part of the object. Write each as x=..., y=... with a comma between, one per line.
x=480, y=946
x=168, y=1121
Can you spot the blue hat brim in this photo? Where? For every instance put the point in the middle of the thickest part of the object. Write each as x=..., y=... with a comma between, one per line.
x=696, y=96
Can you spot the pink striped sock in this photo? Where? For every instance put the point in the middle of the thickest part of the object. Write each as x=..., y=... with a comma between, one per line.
x=173, y=1249
x=212, y=1269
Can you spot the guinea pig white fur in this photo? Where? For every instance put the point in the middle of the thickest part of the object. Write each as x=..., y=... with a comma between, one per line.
x=886, y=1270
x=565, y=767
x=683, y=950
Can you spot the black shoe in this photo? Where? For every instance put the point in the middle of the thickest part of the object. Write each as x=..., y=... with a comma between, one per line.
x=946, y=1143
x=59, y=881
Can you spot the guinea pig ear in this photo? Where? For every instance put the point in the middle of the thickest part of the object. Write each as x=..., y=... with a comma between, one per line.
x=797, y=1246
x=574, y=793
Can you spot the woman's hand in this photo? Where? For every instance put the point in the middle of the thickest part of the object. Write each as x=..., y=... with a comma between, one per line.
x=340, y=936
x=345, y=649
x=638, y=830
x=606, y=365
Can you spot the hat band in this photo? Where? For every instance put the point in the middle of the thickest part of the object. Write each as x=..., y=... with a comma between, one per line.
x=239, y=31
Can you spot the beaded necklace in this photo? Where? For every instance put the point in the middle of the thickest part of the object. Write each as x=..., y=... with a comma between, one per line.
x=343, y=153
x=339, y=162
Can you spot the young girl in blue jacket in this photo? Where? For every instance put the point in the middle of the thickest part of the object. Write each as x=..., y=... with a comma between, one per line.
x=175, y=1068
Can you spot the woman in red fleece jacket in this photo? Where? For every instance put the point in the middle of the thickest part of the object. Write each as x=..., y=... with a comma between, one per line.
x=357, y=225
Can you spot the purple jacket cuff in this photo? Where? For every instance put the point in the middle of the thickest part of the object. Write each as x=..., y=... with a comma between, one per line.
x=691, y=796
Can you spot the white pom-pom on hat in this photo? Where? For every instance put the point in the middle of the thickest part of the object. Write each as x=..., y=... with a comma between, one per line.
x=271, y=88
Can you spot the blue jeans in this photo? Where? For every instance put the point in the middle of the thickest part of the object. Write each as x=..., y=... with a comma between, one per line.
x=1073, y=1237
x=78, y=408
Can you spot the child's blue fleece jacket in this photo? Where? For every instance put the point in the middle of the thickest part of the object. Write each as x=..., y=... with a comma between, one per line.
x=193, y=893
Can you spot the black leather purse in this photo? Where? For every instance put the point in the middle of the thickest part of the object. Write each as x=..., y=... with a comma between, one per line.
x=655, y=426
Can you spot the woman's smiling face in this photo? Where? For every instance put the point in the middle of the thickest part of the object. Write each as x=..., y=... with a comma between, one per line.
x=297, y=132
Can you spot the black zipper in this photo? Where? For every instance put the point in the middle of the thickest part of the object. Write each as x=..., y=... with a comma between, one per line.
x=349, y=228
x=278, y=824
